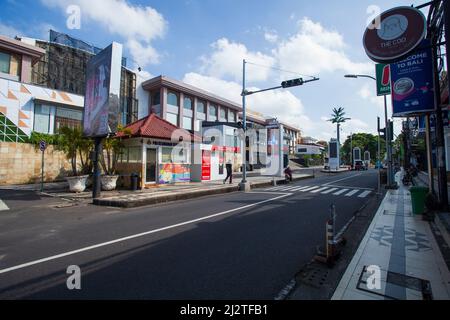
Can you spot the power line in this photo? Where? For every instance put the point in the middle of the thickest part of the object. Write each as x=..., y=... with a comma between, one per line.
x=279, y=69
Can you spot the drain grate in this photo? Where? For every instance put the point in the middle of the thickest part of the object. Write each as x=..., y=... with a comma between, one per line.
x=315, y=277
x=398, y=280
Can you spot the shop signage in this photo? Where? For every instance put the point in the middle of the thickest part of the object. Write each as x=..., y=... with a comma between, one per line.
x=383, y=79
x=399, y=31
x=412, y=83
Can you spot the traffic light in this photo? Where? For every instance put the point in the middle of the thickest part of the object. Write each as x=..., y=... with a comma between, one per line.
x=292, y=83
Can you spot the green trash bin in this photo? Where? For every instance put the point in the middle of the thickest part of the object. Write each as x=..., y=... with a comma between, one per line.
x=418, y=195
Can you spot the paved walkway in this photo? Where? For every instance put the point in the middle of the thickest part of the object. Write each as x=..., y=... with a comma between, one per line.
x=404, y=249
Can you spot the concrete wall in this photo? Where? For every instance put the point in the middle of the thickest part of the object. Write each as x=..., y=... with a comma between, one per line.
x=20, y=163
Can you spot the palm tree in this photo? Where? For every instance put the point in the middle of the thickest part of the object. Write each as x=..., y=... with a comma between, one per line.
x=338, y=117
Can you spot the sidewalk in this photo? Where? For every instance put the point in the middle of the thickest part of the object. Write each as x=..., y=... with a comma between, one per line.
x=405, y=250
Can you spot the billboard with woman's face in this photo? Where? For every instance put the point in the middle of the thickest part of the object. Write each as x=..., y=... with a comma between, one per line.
x=101, y=102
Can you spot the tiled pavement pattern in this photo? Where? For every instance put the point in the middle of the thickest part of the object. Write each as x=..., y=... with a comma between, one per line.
x=403, y=247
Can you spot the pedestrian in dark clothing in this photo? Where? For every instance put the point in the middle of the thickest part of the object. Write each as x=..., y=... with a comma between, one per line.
x=229, y=167
x=288, y=173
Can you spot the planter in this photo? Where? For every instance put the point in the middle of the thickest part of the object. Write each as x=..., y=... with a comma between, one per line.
x=77, y=184
x=109, y=182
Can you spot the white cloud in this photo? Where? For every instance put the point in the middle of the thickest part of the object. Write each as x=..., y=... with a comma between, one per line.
x=367, y=93
x=138, y=25
x=9, y=31
x=315, y=49
x=226, y=61
x=271, y=36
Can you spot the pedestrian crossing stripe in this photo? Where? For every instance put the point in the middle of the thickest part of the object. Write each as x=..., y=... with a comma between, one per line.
x=3, y=206
x=320, y=189
x=364, y=194
x=340, y=192
x=309, y=189
x=329, y=190
x=352, y=193
x=336, y=191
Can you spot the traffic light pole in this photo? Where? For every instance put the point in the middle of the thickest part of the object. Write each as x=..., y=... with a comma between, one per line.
x=390, y=172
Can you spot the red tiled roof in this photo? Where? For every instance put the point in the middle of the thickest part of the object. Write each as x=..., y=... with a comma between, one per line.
x=153, y=126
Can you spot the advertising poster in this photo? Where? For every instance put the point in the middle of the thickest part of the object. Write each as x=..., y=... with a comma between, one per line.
x=383, y=76
x=206, y=165
x=412, y=83
x=101, y=102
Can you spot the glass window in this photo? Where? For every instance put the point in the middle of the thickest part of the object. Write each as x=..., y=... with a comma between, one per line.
x=201, y=107
x=188, y=103
x=213, y=110
x=172, y=118
x=172, y=99
x=134, y=154
x=166, y=155
x=223, y=114
x=67, y=118
x=156, y=99
x=4, y=62
x=42, y=118
x=232, y=116
x=187, y=123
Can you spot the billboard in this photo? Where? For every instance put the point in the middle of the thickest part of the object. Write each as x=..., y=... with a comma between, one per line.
x=101, y=102
x=412, y=83
x=383, y=79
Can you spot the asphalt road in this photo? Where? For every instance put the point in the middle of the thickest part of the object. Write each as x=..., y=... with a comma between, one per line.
x=232, y=246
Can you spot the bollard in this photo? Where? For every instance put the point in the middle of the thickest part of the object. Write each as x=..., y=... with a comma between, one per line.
x=331, y=246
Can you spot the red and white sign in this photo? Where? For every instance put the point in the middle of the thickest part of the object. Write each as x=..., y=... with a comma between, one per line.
x=400, y=31
x=206, y=165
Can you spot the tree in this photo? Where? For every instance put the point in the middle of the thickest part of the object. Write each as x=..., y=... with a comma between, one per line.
x=72, y=142
x=338, y=117
x=364, y=141
x=112, y=149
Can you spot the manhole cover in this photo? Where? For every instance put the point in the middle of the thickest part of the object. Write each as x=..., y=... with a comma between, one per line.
x=315, y=277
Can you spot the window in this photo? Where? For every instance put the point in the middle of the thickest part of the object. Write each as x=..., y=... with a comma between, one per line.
x=5, y=60
x=187, y=123
x=223, y=114
x=172, y=118
x=134, y=154
x=201, y=107
x=188, y=103
x=213, y=110
x=231, y=116
x=166, y=155
x=156, y=99
x=172, y=99
x=42, y=118
x=67, y=118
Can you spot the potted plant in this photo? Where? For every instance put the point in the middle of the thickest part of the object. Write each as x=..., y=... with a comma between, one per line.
x=112, y=149
x=74, y=144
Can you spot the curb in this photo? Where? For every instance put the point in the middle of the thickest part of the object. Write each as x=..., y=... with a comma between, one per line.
x=184, y=195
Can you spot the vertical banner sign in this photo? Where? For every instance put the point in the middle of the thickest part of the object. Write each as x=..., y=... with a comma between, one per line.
x=412, y=83
x=383, y=73
x=101, y=102
x=206, y=165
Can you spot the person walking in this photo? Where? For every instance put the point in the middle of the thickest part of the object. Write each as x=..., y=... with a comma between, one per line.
x=229, y=167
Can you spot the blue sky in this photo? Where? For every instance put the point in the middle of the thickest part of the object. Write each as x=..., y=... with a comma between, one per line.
x=204, y=41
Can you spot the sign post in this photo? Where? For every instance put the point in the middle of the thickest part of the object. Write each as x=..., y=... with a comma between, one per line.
x=42, y=147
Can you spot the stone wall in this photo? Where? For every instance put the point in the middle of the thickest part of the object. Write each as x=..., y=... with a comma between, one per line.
x=20, y=163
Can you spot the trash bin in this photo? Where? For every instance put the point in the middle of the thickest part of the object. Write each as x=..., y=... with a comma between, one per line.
x=134, y=181
x=418, y=195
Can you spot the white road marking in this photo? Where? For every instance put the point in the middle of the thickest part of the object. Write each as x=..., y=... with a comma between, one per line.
x=352, y=193
x=329, y=191
x=319, y=190
x=300, y=188
x=349, y=187
x=364, y=194
x=309, y=189
x=65, y=254
x=3, y=206
x=289, y=188
x=340, y=192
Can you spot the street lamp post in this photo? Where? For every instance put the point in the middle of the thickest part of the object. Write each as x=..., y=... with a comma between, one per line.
x=390, y=176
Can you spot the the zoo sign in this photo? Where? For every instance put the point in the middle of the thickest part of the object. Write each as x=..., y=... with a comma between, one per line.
x=394, y=34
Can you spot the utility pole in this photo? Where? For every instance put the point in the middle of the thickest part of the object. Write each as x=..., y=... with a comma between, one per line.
x=379, y=156
x=440, y=145
x=244, y=127
x=390, y=173
x=351, y=149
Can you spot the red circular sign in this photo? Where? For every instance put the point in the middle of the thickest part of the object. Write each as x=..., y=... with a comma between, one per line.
x=399, y=31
